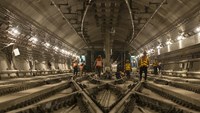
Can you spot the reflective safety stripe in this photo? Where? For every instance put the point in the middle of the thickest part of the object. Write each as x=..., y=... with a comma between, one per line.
x=127, y=66
x=144, y=61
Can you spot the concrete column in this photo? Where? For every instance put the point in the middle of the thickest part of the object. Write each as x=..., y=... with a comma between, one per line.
x=34, y=64
x=66, y=66
x=107, y=50
x=59, y=66
x=43, y=65
x=21, y=63
x=3, y=62
x=8, y=52
x=69, y=63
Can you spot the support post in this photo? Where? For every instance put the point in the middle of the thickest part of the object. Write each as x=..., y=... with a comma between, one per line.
x=107, y=51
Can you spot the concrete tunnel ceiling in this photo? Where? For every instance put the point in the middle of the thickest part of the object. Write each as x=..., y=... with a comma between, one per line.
x=83, y=23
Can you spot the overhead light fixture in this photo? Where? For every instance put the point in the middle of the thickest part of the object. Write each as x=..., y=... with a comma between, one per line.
x=159, y=46
x=62, y=51
x=150, y=51
x=7, y=45
x=66, y=52
x=56, y=48
x=197, y=29
x=180, y=37
x=133, y=56
x=69, y=53
x=47, y=44
x=169, y=42
x=14, y=31
x=33, y=39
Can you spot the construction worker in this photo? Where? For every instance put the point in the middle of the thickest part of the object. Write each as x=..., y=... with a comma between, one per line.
x=75, y=67
x=98, y=65
x=81, y=67
x=127, y=68
x=114, y=66
x=143, y=65
x=155, y=66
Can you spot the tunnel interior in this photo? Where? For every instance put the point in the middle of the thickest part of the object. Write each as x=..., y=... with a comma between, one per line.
x=41, y=39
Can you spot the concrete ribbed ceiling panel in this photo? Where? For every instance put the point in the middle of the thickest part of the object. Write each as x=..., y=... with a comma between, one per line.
x=106, y=15
x=171, y=11
x=44, y=13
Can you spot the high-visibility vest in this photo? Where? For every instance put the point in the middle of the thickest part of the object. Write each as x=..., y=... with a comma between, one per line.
x=144, y=61
x=155, y=63
x=75, y=64
x=128, y=66
x=99, y=63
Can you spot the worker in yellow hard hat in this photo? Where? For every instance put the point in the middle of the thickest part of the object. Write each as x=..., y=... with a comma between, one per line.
x=127, y=68
x=143, y=65
x=155, y=66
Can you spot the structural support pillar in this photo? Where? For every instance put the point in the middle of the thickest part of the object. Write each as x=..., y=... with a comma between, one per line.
x=107, y=51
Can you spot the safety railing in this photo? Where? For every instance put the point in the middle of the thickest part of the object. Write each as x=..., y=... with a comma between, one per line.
x=184, y=73
x=179, y=73
x=23, y=73
x=195, y=74
x=167, y=72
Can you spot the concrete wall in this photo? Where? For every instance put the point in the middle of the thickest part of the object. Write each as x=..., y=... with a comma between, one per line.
x=21, y=63
x=194, y=66
x=190, y=41
x=41, y=65
x=3, y=62
x=180, y=55
x=55, y=66
x=62, y=66
x=174, y=66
